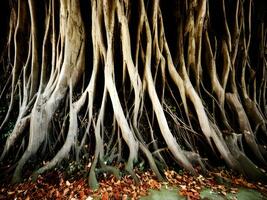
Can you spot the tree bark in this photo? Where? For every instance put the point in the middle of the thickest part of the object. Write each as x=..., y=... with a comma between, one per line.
x=115, y=79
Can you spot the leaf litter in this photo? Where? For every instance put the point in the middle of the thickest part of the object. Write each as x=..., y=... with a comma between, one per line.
x=54, y=185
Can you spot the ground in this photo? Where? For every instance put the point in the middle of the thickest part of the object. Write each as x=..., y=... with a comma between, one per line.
x=219, y=184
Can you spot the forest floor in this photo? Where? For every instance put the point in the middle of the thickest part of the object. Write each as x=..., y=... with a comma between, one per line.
x=219, y=184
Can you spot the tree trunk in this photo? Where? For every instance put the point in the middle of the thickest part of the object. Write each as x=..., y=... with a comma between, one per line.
x=108, y=78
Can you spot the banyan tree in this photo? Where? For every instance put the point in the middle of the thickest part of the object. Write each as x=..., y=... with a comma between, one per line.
x=168, y=83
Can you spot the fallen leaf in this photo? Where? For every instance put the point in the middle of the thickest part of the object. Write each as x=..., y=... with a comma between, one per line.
x=67, y=183
x=82, y=194
x=105, y=196
x=10, y=193
x=66, y=191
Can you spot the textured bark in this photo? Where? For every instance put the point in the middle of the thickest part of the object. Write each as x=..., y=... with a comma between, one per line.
x=109, y=78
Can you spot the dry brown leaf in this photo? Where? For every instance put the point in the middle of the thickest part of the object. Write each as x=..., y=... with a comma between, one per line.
x=11, y=192
x=105, y=196
x=66, y=191
x=124, y=197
